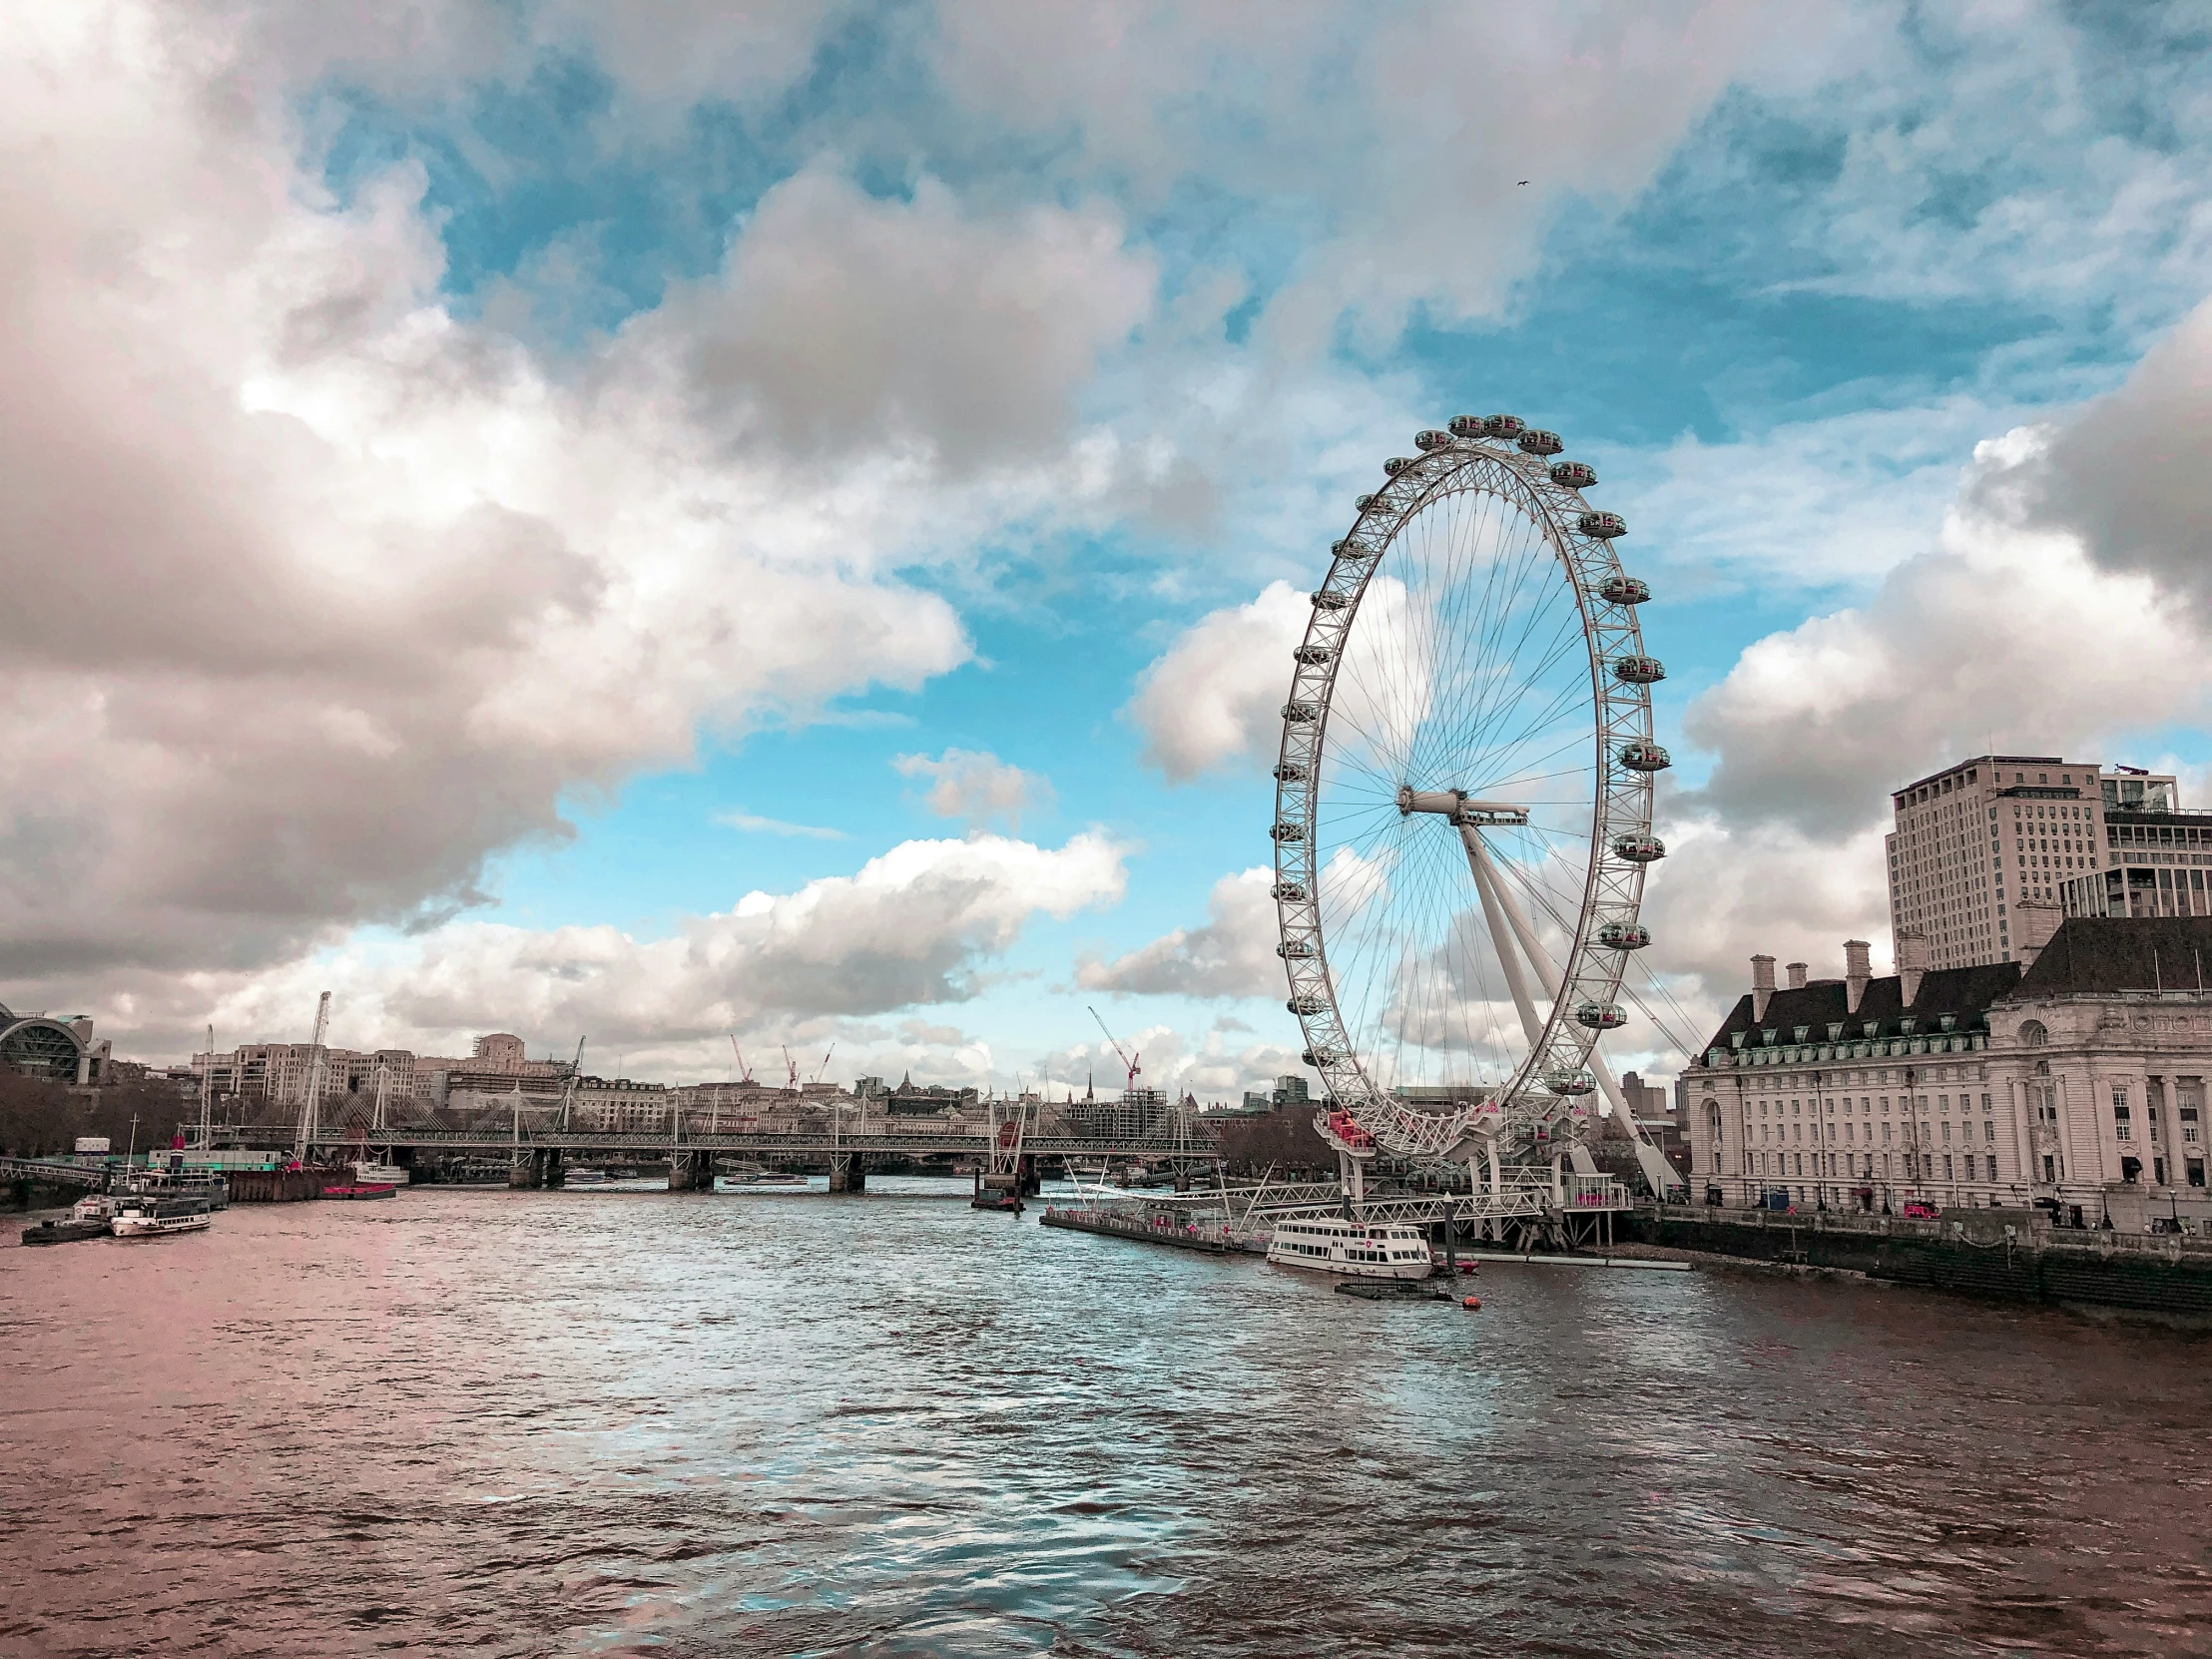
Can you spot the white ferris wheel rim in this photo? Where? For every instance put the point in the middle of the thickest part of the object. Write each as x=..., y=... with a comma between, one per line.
x=1543, y=1099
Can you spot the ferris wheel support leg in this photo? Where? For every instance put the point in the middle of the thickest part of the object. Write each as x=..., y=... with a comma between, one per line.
x=1657, y=1170
x=1495, y=917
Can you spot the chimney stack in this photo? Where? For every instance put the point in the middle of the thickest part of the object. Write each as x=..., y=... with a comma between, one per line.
x=1912, y=963
x=2033, y=923
x=1796, y=971
x=1762, y=986
x=1857, y=969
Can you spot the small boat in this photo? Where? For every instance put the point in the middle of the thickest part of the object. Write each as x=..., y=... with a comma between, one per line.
x=88, y=1219
x=585, y=1177
x=360, y=1189
x=1350, y=1249
x=384, y=1175
x=152, y=1217
x=746, y=1180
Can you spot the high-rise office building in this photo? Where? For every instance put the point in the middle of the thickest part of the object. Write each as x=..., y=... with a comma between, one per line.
x=1978, y=839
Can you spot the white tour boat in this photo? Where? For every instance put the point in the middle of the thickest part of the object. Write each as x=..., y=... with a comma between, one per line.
x=150, y=1218
x=1350, y=1249
x=368, y=1173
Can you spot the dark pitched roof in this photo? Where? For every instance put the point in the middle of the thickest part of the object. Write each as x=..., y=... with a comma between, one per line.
x=2123, y=953
x=1964, y=993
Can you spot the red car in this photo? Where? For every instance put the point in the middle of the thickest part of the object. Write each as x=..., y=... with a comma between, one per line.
x=1919, y=1210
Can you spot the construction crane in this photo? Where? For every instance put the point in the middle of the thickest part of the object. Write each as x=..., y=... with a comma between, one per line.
x=791, y=1069
x=312, y=1091
x=1128, y=1059
x=744, y=1072
x=824, y=1066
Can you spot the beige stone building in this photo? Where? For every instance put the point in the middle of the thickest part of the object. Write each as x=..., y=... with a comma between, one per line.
x=2076, y=1081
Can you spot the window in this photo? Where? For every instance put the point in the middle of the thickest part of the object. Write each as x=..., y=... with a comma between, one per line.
x=2121, y=1128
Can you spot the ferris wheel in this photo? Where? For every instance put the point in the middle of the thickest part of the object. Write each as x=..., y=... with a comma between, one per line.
x=1462, y=819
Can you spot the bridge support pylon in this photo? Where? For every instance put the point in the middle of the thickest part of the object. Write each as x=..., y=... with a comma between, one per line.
x=691, y=1172
x=849, y=1172
x=527, y=1172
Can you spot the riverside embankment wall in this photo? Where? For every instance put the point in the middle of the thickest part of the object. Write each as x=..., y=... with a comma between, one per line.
x=2011, y=1256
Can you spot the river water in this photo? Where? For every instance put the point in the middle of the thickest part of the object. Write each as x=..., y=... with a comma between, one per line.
x=784, y=1423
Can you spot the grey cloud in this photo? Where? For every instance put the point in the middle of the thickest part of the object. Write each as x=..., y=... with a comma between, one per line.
x=2131, y=474
x=843, y=320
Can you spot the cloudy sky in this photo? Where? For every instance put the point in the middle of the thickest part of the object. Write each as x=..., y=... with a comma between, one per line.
x=653, y=519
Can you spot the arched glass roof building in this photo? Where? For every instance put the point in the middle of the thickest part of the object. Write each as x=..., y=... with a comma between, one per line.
x=41, y=1046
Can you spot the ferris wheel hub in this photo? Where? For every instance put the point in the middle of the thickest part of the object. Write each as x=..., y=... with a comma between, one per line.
x=1459, y=806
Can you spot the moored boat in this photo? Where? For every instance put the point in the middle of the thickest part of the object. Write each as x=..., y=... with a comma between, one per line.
x=153, y=1217
x=360, y=1189
x=87, y=1219
x=1350, y=1249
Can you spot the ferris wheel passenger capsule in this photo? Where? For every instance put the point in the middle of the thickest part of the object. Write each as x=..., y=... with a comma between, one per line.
x=1361, y=503
x=1319, y=1057
x=1503, y=426
x=1290, y=772
x=1569, y=1082
x=1538, y=441
x=1301, y=714
x=1291, y=893
x=1431, y=438
x=1639, y=670
x=1624, y=935
x=1573, y=474
x=1639, y=849
x=1326, y=601
x=1295, y=950
x=1601, y=1016
x=1466, y=426
x=1642, y=755
x=1289, y=832
x=1313, y=655
x=1604, y=526
x=1398, y=465
x=1623, y=590
x=1304, y=1006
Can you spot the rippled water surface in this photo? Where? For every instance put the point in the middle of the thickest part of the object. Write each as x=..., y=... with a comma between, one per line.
x=784, y=1423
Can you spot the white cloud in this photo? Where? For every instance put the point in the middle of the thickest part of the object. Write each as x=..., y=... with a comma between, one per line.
x=1232, y=956
x=752, y=821
x=2003, y=639
x=1217, y=693
x=978, y=787
x=917, y=926
x=326, y=594
x=1446, y=107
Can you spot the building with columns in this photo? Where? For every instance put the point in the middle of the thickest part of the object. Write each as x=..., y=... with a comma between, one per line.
x=2074, y=1081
